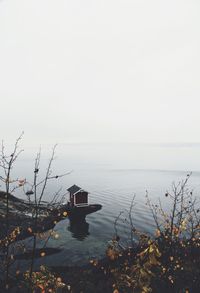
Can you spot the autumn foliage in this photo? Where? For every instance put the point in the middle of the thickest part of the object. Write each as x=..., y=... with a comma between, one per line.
x=168, y=262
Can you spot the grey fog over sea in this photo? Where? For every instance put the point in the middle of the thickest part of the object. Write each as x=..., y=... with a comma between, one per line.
x=112, y=174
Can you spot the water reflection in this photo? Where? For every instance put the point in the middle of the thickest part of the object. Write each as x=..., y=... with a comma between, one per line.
x=79, y=228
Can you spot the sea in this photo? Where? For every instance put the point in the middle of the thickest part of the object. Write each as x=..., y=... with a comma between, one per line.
x=113, y=174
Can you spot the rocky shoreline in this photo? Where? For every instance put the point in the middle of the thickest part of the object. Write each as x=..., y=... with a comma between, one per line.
x=21, y=215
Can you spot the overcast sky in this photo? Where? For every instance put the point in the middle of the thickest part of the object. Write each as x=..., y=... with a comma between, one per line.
x=99, y=71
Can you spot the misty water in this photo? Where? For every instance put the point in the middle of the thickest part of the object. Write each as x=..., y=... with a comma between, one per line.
x=112, y=174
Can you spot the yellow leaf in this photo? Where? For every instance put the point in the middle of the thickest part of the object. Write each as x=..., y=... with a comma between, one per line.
x=30, y=230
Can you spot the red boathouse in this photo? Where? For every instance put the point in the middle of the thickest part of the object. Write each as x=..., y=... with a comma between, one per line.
x=77, y=196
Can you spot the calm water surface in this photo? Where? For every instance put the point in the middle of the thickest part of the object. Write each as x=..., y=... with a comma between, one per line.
x=112, y=174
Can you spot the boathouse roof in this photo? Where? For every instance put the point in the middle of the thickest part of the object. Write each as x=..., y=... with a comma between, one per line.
x=74, y=188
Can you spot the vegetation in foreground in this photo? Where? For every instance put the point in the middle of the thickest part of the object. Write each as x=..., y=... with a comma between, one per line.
x=168, y=262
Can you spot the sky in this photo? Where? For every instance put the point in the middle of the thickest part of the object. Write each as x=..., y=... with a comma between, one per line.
x=100, y=71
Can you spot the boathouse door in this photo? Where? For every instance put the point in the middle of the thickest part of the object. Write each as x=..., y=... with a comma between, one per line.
x=81, y=198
